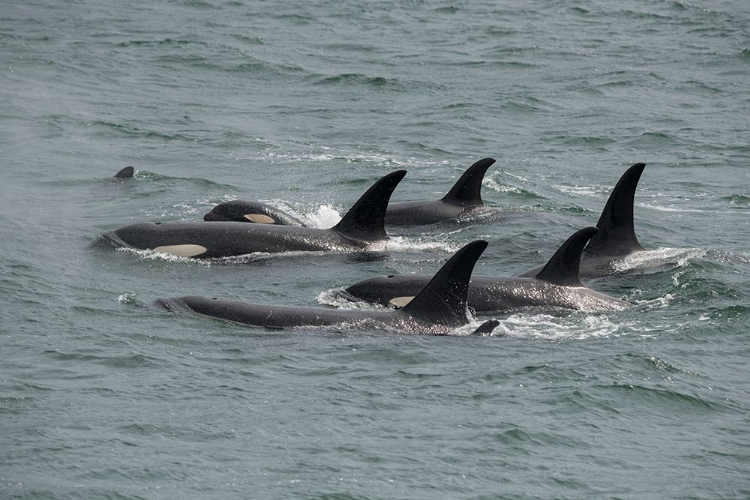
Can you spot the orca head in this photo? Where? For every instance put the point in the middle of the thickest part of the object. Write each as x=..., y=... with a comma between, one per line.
x=381, y=289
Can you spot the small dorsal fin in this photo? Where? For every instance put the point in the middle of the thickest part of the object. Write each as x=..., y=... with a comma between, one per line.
x=442, y=301
x=486, y=328
x=562, y=268
x=467, y=190
x=366, y=219
x=125, y=173
x=616, y=234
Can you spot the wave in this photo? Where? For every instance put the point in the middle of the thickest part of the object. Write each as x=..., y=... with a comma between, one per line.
x=657, y=259
x=576, y=326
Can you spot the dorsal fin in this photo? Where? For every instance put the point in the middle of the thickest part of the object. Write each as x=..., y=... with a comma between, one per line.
x=562, y=268
x=616, y=234
x=486, y=328
x=125, y=173
x=467, y=190
x=442, y=301
x=366, y=219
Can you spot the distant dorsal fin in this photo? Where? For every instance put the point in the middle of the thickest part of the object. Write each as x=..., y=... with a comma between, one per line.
x=467, y=190
x=125, y=173
x=616, y=234
x=366, y=219
x=562, y=268
x=442, y=301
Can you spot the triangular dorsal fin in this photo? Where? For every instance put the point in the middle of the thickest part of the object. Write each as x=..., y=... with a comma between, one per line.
x=616, y=234
x=366, y=219
x=125, y=173
x=467, y=190
x=486, y=328
x=562, y=268
x=442, y=301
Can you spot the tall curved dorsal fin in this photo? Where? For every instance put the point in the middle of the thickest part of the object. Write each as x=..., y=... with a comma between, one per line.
x=616, y=234
x=442, y=301
x=467, y=190
x=562, y=268
x=366, y=219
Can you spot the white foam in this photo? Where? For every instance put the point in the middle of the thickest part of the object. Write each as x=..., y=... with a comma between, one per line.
x=126, y=298
x=577, y=191
x=657, y=303
x=404, y=244
x=576, y=326
x=677, y=257
x=500, y=188
x=349, y=157
x=335, y=299
x=324, y=217
x=661, y=208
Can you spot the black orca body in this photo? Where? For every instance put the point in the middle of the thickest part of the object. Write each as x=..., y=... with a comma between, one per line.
x=464, y=196
x=556, y=285
x=438, y=308
x=616, y=238
x=362, y=226
x=125, y=173
x=459, y=202
x=251, y=211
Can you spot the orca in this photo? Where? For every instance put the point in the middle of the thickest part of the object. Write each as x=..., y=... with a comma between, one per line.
x=251, y=211
x=438, y=308
x=556, y=285
x=125, y=173
x=360, y=228
x=616, y=238
x=464, y=196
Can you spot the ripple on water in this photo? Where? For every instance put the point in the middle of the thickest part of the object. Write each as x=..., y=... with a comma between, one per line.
x=665, y=398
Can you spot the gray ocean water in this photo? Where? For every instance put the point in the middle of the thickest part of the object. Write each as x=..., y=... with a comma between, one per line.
x=304, y=105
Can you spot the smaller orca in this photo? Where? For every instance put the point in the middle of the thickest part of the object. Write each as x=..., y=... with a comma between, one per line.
x=251, y=211
x=616, y=238
x=438, y=308
x=464, y=196
x=362, y=226
x=556, y=285
x=125, y=173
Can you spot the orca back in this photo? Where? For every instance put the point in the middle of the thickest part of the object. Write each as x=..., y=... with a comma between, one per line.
x=125, y=173
x=442, y=301
x=467, y=190
x=366, y=219
x=563, y=267
x=616, y=234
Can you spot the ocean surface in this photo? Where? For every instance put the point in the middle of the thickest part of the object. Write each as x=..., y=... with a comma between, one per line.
x=304, y=105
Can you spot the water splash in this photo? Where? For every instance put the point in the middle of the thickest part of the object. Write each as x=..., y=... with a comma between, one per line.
x=577, y=326
x=324, y=217
x=660, y=258
x=336, y=297
x=129, y=299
